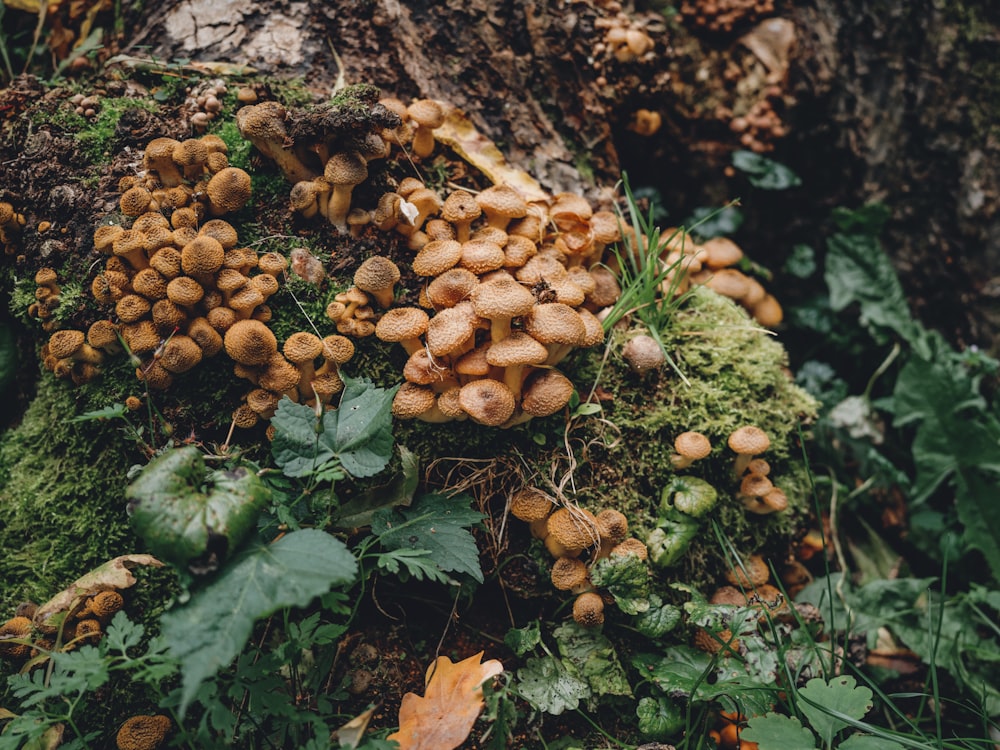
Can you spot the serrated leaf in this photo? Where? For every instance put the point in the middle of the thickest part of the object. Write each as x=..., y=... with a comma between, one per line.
x=776, y=732
x=296, y=447
x=113, y=411
x=211, y=629
x=821, y=701
x=359, y=509
x=658, y=620
x=191, y=516
x=659, y=718
x=437, y=524
x=417, y=562
x=362, y=427
x=545, y=683
x=868, y=742
x=626, y=578
x=589, y=655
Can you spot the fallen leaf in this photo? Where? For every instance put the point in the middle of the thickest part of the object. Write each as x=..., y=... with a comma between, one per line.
x=461, y=136
x=771, y=42
x=115, y=574
x=452, y=701
x=352, y=733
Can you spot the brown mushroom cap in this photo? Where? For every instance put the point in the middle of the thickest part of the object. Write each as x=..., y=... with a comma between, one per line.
x=202, y=256
x=436, y=257
x=461, y=209
x=753, y=572
x=643, y=354
x=530, y=504
x=487, y=401
x=501, y=204
x=546, y=392
x=184, y=291
x=719, y=252
x=412, y=400
x=555, y=323
x=450, y=329
x=747, y=442
x=404, y=325
x=421, y=368
x=574, y=529
x=691, y=446
x=482, y=256
x=517, y=349
x=631, y=546
x=377, y=275
x=250, y=342
x=612, y=526
x=343, y=171
x=755, y=485
x=427, y=114
x=569, y=573
x=451, y=287
x=180, y=354
x=228, y=190
x=501, y=300
x=143, y=732
x=588, y=609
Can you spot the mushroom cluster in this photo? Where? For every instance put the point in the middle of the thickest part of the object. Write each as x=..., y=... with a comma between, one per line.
x=85, y=106
x=757, y=493
x=47, y=297
x=711, y=263
x=724, y=15
x=510, y=292
x=761, y=125
x=11, y=223
x=625, y=39
x=569, y=531
x=84, y=623
x=204, y=102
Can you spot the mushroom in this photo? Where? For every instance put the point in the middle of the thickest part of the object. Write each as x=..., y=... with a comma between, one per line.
x=343, y=171
x=514, y=353
x=378, y=276
x=690, y=446
x=250, y=342
x=427, y=115
x=612, y=526
x=264, y=126
x=570, y=574
x=546, y=391
x=487, y=401
x=747, y=442
x=571, y=531
x=404, y=325
x=530, y=504
x=749, y=572
x=643, y=353
x=228, y=190
x=460, y=209
x=143, y=732
x=501, y=301
x=501, y=204
x=436, y=257
x=588, y=609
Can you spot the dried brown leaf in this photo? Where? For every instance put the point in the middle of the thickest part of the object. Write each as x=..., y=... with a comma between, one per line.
x=443, y=717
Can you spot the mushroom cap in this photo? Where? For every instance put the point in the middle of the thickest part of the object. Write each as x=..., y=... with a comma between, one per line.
x=555, y=323
x=631, y=546
x=517, y=349
x=131, y=308
x=103, y=334
x=607, y=290
x=450, y=328
x=719, y=252
x=426, y=112
x=204, y=255
x=729, y=595
x=612, y=526
x=262, y=401
x=65, y=343
x=530, y=504
x=754, y=572
x=568, y=573
x=302, y=347
x=412, y=400
x=502, y=202
x=167, y=262
x=588, y=609
x=749, y=440
x=758, y=466
x=184, y=291
x=487, y=401
x=569, y=210
x=134, y=201
x=272, y=263
x=692, y=445
x=180, y=354
x=546, y=392
x=449, y=405
x=502, y=298
x=436, y=257
x=104, y=604
x=421, y=368
x=643, y=353
x=141, y=336
x=221, y=231
x=143, y=732
x=473, y=363
x=574, y=529
x=229, y=189
x=338, y=349
x=190, y=153
x=518, y=251
x=150, y=284
x=451, y=287
x=593, y=330
x=346, y=168
x=402, y=323
x=460, y=206
x=205, y=336
x=279, y=375
x=482, y=256
x=755, y=485
x=768, y=312
x=729, y=283
x=376, y=274
x=250, y=342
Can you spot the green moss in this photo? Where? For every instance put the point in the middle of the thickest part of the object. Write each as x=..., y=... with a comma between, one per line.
x=239, y=148
x=96, y=136
x=61, y=496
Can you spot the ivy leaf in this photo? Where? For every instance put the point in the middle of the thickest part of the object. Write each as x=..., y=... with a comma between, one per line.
x=191, y=516
x=626, y=577
x=822, y=701
x=211, y=629
x=776, y=732
x=437, y=524
x=764, y=173
x=589, y=654
x=546, y=683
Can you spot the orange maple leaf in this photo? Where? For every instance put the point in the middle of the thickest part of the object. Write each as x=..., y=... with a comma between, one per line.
x=443, y=717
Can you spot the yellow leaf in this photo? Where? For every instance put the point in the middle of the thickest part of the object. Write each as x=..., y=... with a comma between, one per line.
x=443, y=717
x=350, y=734
x=461, y=135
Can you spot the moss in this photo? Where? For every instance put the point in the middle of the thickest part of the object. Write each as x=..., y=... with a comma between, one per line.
x=61, y=506
x=97, y=136
x=239, y=148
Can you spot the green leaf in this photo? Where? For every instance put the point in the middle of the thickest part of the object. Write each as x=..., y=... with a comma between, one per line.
x=868, y=742
x=764, y=173
x=660, y=718
x=523, y=640
x=658, y=620
x=776, y=732
x=191, y=516
x=626, y=578
x=437, y=524
x=358, y=511
x=821, y=701
x=358, y=434
x=112, y=411
x=418, y=563
x=589, y=655
x=690, y=495
x=707, y=222
x=669, y=541
x=211, y=629
x=545, y=683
